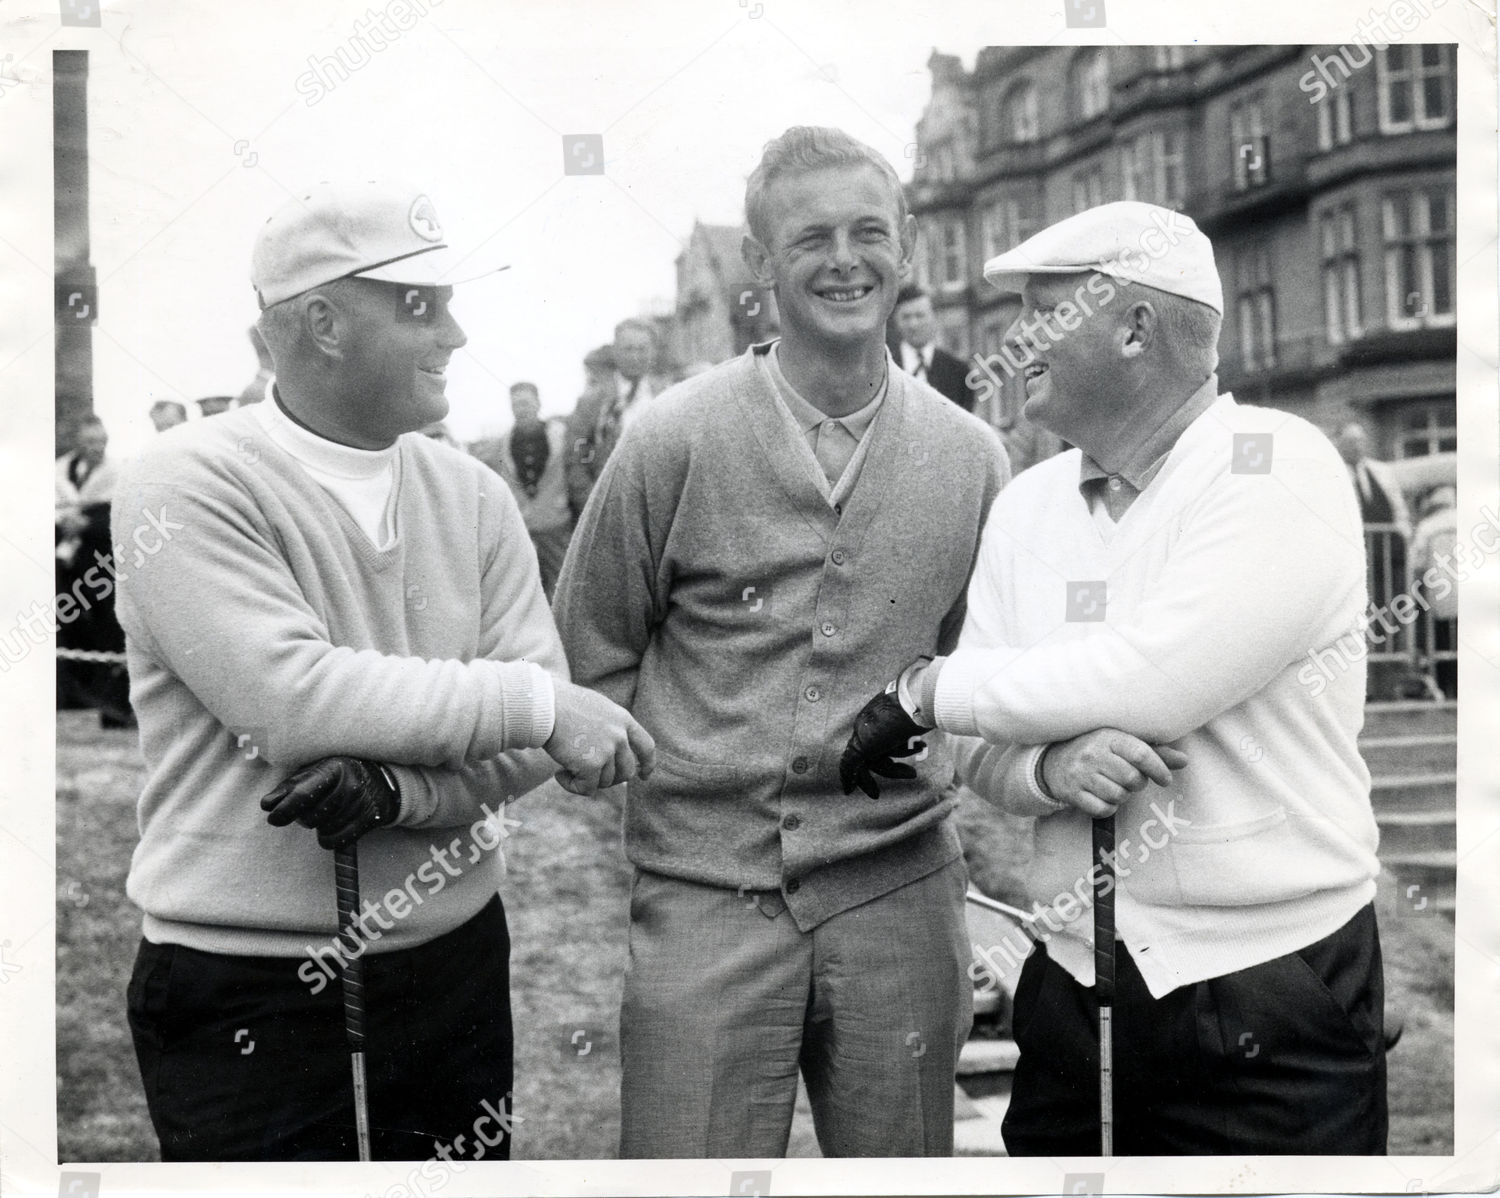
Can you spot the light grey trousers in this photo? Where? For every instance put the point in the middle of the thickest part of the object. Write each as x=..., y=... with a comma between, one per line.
x=725, y=999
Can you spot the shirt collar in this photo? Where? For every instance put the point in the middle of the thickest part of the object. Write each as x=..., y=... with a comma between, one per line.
x=1141, y=469
x=809, y=417
x=340, y=461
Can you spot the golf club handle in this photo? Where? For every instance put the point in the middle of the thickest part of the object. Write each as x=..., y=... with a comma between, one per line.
x=346, y=892
x=1104, y=909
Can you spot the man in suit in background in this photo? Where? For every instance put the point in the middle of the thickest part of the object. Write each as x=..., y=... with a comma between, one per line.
x=1380, y=503
x=917, y=352
x=601, y=416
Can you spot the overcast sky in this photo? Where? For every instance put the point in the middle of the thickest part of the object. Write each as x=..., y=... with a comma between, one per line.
x=204, y=119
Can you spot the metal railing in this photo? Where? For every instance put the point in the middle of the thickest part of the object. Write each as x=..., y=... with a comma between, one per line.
x=1419, y=646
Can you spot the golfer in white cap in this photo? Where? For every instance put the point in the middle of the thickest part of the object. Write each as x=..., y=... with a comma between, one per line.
x=343, y=628
x=1137, y=640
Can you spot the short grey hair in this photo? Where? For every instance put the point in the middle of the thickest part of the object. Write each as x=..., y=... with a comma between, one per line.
x=281, y=324
x=805, y=148
x=1189, y=329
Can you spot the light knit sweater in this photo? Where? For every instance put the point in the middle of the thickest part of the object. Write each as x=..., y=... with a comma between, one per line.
x=1218, y=583
x=268, y=630
x=714, y=589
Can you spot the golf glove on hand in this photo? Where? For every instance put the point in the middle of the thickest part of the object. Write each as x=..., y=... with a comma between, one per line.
x=341, y=797
x=882, y=732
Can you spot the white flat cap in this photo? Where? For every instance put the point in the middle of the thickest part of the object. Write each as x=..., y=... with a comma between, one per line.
x=1129, y=240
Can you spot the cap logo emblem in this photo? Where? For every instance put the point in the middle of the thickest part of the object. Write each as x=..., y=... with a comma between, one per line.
x=423, y=220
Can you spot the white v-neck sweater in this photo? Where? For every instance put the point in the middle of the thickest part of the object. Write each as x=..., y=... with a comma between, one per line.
x=267, y=630
x=1216, y=584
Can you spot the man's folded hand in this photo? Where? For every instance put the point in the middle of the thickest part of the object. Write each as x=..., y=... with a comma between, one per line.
x=882, y=732
x=341, y=797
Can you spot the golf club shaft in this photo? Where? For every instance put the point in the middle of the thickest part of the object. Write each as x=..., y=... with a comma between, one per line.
x=346, y=890
x=1104, y=974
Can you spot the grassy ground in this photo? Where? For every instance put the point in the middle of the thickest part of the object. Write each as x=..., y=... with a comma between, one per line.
x=566, y=896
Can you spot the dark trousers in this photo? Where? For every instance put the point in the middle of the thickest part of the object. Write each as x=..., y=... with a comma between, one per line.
x=242, y=1061
x=1284, y=1057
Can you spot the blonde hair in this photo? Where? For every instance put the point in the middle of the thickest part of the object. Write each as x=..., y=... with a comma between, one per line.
x=804, y=148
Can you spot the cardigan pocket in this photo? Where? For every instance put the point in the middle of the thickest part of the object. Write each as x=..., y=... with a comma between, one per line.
x=712, y=776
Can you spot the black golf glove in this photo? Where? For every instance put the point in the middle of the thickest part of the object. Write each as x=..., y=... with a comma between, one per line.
x=341, y=797
x=882, y=732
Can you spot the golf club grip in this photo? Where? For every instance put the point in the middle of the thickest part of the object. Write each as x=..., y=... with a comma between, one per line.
x=346, y=891
x=1104, y=910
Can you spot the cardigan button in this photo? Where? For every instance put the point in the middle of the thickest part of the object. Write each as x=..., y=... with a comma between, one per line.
x=792, y=886
x=813, y=694
x=828, y=629
x=839, y=557
x=799, y=765
x=791, y=823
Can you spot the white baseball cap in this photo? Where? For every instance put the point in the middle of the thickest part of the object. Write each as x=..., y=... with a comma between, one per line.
x=1129, y=240
x=371, y=230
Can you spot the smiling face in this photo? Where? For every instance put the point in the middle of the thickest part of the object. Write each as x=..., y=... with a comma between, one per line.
x=833, y=251
x=393, y=366
x=1073, y=374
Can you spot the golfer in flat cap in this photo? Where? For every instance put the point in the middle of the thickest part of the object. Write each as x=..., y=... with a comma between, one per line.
x=769, y=540
x=1135, y=626
x=342, y=637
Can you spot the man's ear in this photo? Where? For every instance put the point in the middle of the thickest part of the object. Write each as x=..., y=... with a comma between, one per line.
x=323, y=322
x=758, y=258
x=908, y=247
x=1141, y=324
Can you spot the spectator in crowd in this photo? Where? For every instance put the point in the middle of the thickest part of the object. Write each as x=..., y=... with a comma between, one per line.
x=1383, y=509
x=167, y=413
x=770, y=538
x=531, y=457
x=917, y=352
x=1143, y=603
x=212, y=405
x=83, y=491
x=256, y=389
x=1435, y=536
x=348, y=623
x=596, y=425
x=598, y=382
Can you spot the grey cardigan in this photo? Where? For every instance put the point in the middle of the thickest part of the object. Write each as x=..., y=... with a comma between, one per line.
x=713, y=590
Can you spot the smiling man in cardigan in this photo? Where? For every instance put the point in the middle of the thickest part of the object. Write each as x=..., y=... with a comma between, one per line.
x=770, y=539
x=1151, y=594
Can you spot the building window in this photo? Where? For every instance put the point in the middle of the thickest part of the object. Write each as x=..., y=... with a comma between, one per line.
x=940, y=161
x=1088, y=188
x=1416, y=87
x=1008, y=221
x=1428, y=428
x=1169, y=58
x=1255, y=305
x=946, y=253
x=1019, y=117
x=1419, y=270
x=1340, y=253
x=1248, y=142
x=1089, y=84
x=1151, y=168
x=1335, y=118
